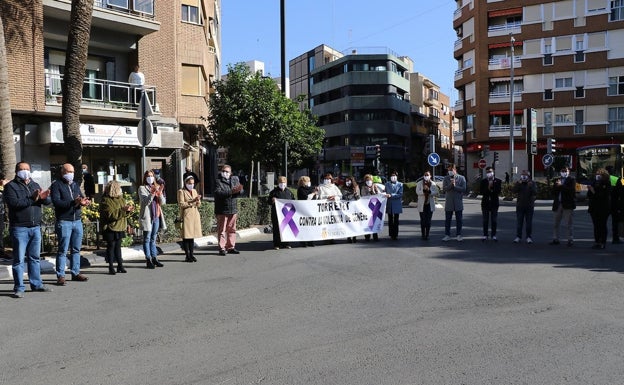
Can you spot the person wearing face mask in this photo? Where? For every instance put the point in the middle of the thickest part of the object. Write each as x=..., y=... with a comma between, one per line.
x=24, y=198
x=305, y=191
x=3, y=181
x=369, y=188
x=281, y=191
x=189, y=202
x=526, y=192
x=68, y=202
x=426, y=190
x=151, y=217
x=564, y=203
x=328, y=190
x=350, y=192
x=491, y=188
x=599, y=206
x=394, y=206
x=227, y=190
x=88, y=183
x=454, y=187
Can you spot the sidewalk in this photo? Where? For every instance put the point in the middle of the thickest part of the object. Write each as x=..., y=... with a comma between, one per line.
x=135, y=252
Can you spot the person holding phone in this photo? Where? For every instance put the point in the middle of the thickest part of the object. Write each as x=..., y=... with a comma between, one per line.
x=188, y=203
x=454, y=186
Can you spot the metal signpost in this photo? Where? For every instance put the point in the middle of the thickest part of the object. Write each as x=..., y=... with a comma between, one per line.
x=145, y=128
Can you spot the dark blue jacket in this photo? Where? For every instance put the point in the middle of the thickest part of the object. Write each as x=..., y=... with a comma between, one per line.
x=63, y=195
x=224, y=197
x=24, y=211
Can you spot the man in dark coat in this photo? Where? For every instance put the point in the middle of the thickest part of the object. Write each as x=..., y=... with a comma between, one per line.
x=491, y=188
x=564, y=203
x=227, y=190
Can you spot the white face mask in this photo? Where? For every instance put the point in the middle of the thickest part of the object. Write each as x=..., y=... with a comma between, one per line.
x=308, y=184
x=564, y=174
x=189, y=186
x=427, y=178
x=225, y=174
x=598, y=177
x=282, y=185
x=393, y=178
x=369, y=183
x=23, y=174
x=69, y=177
x=451, y=173
x=348, y=183
x=524, y=178
x=149, y=180
x=326, y=181
x=490, y=175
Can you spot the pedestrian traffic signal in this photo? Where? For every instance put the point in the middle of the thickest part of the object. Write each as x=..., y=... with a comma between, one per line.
x=495, y=156
x=551, y=146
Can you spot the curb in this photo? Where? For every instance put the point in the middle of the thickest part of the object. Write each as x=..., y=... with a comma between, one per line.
x=48, y=266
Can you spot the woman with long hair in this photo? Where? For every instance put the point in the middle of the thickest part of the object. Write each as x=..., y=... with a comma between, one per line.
x=151, y=216
x=114, y=213
x=188, y=203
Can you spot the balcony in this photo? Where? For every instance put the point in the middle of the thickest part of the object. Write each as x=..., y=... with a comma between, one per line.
x=504, y=63
x=101, y=94
x=458, y=44
x=501, y=131
x=458, y=136
x=505, y=29
x=459, y=74
x=503, y=97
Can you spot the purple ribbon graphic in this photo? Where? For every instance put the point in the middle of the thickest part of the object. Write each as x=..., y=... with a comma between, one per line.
x=375, y=207
x=289, y=211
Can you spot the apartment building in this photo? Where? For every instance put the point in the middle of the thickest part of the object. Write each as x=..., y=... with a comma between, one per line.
x=176, y=43
x=566, y=59
x=361, y=99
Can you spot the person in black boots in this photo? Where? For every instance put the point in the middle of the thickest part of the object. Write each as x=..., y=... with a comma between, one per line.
x=305, y=191
x=350, y=192
x=188, y=203
x=599, y=206
x=279, y=192
x=426, y=190
x=114, y=213
x=491, y=188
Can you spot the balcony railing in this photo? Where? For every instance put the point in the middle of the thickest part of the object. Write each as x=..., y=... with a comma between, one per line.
x=101, y=93
x=504, y=94
x=142, y=8
x=502, y=130
x=504, y=27
x=504, y=62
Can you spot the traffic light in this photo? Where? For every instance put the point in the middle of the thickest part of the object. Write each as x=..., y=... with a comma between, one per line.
x=495, y=156
x=551, y=146
x=377, y=151
x=486, y=150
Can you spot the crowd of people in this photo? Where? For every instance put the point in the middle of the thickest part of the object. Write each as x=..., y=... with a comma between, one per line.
x=24, y=199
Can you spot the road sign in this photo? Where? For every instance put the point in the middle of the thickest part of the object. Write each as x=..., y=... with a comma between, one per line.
x=547, y=160
x=149, y=128
x=482, y=163
x=145, y=106
x=433, y=159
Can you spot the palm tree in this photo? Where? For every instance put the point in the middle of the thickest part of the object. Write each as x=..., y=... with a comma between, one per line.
x=7, y=147
x=73, y=78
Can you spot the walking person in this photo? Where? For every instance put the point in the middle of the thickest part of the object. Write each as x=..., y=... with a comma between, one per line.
x=599, y=206
x=227, y=191
x=369, y=188
x=151, y=217
x=280, y=191
x=68, y=202
x=564, y=203
x=350, y=192
x=24, y=198
x=114, y=213
x=526, y=192
x=491, y=188
x=394, y=206
x=454, y=187
x=426, y=190
x=305, y=191
x=188, y=204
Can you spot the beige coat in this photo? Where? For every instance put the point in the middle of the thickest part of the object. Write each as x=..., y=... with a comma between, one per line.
x=189, y=213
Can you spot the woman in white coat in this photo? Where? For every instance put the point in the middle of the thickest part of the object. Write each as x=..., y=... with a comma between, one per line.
x=426, y=190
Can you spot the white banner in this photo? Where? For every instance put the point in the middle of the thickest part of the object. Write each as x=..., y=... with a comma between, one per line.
x=312, y=220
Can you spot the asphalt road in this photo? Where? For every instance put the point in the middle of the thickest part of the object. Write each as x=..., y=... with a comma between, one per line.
x=404, y=312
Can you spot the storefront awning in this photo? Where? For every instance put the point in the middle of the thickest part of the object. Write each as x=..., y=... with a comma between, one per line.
x=505, y=112
x=504, y=44
x=505, y=12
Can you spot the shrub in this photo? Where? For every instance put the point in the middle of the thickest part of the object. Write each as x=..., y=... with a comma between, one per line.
x=409, y=193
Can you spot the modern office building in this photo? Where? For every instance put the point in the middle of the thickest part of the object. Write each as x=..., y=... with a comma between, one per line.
x=565, y=59
x=175, y=42
x=361, y=99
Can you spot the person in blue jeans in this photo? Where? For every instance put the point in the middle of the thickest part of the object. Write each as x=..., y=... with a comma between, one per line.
x=24, y=198
x=526, y=192
x=68, y=202
x=151, y=217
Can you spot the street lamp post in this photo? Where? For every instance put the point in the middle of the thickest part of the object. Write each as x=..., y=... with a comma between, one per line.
x=511, y=109
x=283, y=69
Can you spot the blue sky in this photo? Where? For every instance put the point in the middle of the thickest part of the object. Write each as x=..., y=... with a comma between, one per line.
x=422, y=30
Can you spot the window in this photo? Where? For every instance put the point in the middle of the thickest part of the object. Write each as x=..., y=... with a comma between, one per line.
x=548, y=59
x=311, y=65
x=468, y=62
x=144, y=6
x=616, y=120
x=190, y=14
x=117, y=3
x=470, y=122
x=616, y=85
x=563, y=118
x=563, y=82
x=579, y=56
x=617, y=11
x=548, y=95
x=579, y=128
x=433, y=94
x=192, y=80
x=548, y=127
x=547, y=48
x=579, y=93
